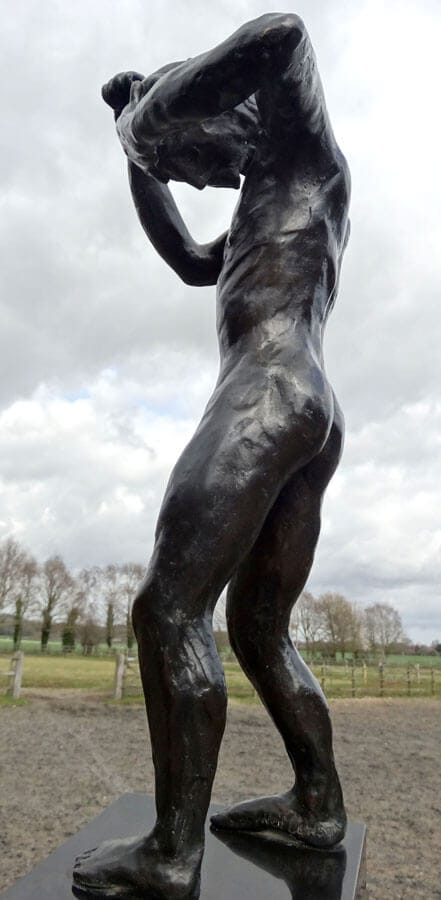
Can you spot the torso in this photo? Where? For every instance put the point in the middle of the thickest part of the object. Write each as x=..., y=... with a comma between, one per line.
x=284, y=248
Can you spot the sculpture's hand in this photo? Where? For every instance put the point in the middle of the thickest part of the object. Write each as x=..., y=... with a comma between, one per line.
x=121, y=91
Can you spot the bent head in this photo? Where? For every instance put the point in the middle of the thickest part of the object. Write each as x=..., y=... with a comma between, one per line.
x=214, y=152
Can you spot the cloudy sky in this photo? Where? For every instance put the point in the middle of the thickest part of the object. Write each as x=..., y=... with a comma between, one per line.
x=107, y=360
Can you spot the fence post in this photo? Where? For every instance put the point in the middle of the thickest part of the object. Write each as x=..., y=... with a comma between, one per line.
x=353, y=678
x=17, y=661
x=409, y=685
x=119, y=675
x=432, y=681
x=418, y=673
x=365, y=673
x=381, y=674
x=323, y=678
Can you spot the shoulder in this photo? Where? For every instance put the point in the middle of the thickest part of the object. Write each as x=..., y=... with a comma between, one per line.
x=292, y=97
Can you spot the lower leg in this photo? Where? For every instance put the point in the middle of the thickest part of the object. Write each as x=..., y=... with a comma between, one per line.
x=185, y=694
x=313, y=809
x=260, y=600
x=185, y=697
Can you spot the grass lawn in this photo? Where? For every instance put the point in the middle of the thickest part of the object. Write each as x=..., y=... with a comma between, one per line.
x=53, y=647
x=97, y=673
x=86, y=673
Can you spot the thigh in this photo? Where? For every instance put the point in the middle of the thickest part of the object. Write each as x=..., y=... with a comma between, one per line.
x=227, y=479
x=270, y=578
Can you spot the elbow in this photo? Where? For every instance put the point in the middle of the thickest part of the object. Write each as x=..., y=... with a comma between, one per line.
x=283, y=26
x=187, y=277
x=196, y=269
x=196, y=279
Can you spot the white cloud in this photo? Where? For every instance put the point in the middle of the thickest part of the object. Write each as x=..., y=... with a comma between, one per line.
x=107, y=360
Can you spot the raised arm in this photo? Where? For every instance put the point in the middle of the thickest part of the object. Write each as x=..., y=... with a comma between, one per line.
x=272, y=54
x=196, y=264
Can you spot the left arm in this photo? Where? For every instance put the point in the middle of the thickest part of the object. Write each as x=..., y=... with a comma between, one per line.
x=196, y=264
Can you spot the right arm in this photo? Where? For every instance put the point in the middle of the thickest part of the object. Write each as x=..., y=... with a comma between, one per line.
x=196, y=264
x=272, y=54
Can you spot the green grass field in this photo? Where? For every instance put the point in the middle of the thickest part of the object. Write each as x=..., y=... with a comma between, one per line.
x=96, y=674
x=53, y=647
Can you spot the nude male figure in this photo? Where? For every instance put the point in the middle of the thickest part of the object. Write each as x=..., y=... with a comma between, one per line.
x=243, y=502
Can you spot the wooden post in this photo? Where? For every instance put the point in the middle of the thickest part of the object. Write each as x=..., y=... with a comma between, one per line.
x=323, y=678
x=119, y=675
x=418, y=673
x=353, y=678
x=381, y=674
x=17, y=661
x=409, y=685
x=432, y=681
x=365, y=673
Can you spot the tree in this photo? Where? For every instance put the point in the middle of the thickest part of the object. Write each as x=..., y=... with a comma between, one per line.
x=131, y=575
x=341, y=624
x=383, y=628
x=56, y=584
x=23, y=593
x=72, y=606
x=90, y=633
x=110, y=590
x=12, y=558
x=307, y=621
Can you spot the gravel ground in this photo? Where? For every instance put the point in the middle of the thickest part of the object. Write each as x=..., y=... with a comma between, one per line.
x=63, y=758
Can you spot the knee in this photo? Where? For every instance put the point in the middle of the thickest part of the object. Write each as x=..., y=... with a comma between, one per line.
x=277, y=27
x=254, y=640
x=152, y=610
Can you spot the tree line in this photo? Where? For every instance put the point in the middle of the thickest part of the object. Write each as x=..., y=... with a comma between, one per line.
x=90, y=604
x=95, y=605
x=331, y=624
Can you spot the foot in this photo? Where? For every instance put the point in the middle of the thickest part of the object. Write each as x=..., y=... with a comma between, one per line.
x=285, y=816
x=136, y=867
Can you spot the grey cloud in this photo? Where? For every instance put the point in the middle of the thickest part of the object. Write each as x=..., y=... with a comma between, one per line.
x=83, y=293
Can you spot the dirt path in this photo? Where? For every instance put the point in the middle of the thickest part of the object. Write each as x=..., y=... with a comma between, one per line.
x=64, y=758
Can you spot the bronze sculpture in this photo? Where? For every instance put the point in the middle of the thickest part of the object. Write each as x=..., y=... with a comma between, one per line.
x=243, y=503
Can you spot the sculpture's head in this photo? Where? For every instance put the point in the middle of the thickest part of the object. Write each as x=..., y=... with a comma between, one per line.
x=214, y=152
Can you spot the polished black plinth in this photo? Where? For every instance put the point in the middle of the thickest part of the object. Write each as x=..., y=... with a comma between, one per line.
x=236, y=867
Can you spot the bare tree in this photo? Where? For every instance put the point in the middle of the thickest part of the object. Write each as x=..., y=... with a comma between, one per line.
x=72, y=607
x=131, y=575
x=23, y=592
x=341, y=624
x=12, y=558
x=56, y=584
x=88, y=620
x=383, y=628
x=111, y=597
x=307, y=621
x=90, y=633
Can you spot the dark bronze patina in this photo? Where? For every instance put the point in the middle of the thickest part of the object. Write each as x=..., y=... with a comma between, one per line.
x=243, y=502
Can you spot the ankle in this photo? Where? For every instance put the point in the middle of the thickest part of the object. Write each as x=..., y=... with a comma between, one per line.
x=172, y=844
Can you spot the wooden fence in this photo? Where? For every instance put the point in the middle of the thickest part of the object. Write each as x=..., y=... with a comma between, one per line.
x=127, y=677
x=348, y=679
x=381, y=680
x=12, y=677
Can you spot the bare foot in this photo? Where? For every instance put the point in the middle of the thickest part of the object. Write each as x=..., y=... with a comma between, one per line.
x=286, y=816
x=135, y=867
